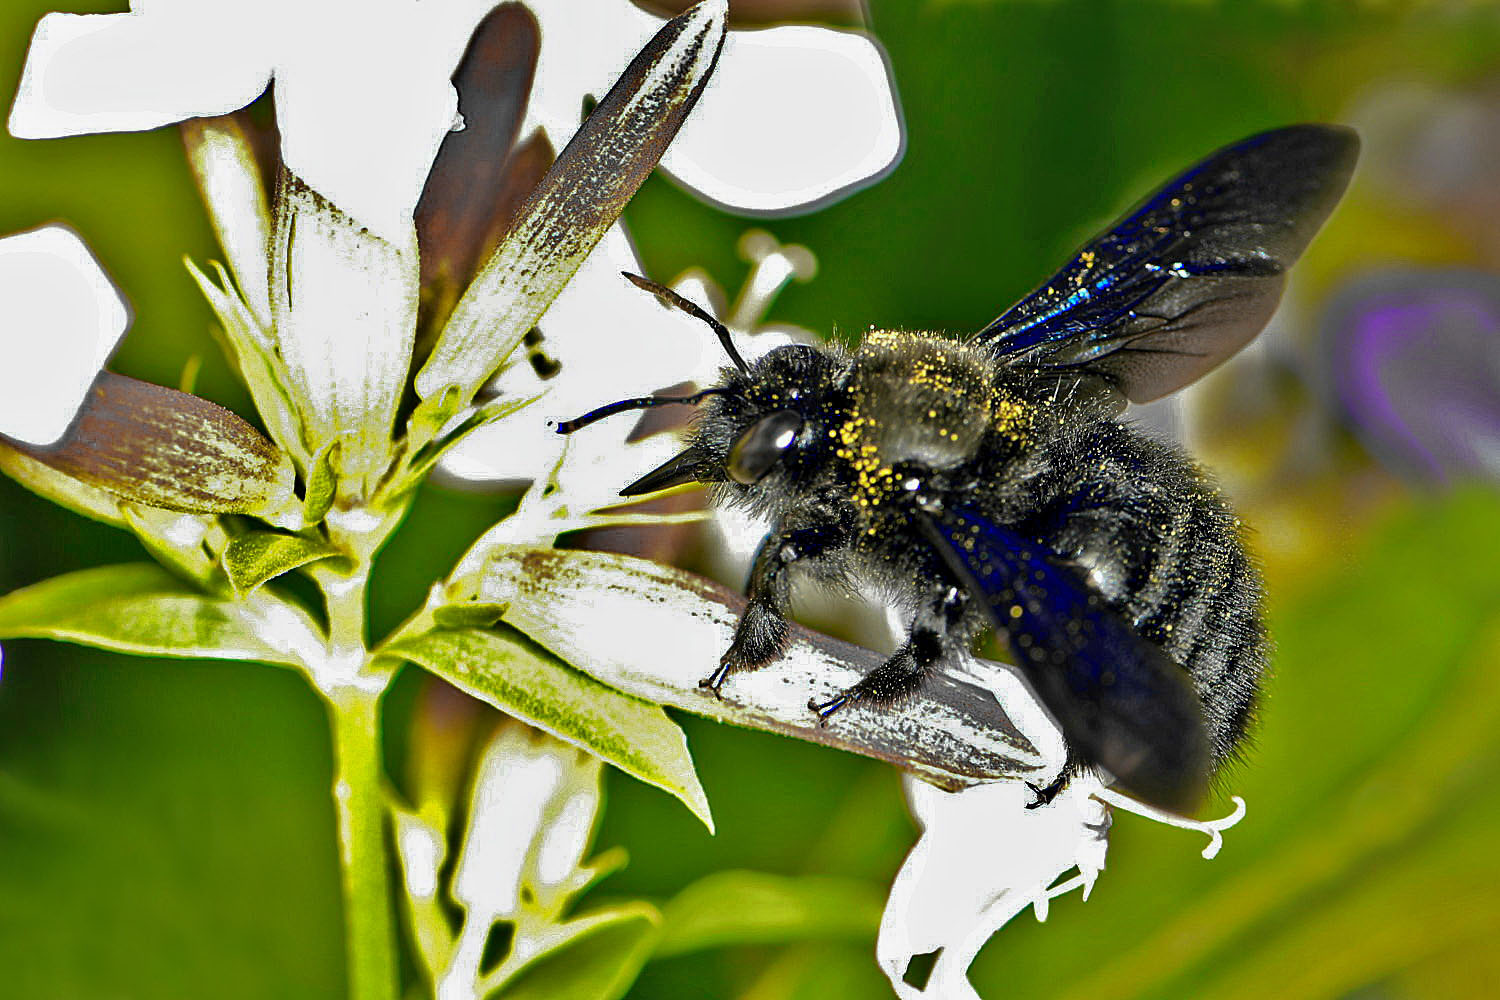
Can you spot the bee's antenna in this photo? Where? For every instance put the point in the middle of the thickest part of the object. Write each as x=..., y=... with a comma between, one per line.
x=640, y=403
x=692, y=309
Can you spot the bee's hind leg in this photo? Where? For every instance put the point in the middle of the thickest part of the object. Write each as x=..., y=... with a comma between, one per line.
x=931, y=638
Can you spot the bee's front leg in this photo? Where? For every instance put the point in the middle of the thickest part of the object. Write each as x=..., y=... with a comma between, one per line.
x=762, y=631
x=934, y=635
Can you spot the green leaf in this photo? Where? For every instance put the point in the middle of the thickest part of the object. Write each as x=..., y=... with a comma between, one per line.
x=257, y=556
x=595, y=957
x=743, y=907
x=516, y=675
x=141, y=608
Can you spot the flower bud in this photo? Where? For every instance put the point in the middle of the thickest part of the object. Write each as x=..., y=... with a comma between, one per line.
x=169, y=449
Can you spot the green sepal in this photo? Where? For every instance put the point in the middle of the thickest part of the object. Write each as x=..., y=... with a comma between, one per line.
x=507, y=670
x=250, y=350
x=431, y=415
x=422, y=462
x=175, y=540
x=322, y=484
x=143, y=609
x=257, y=556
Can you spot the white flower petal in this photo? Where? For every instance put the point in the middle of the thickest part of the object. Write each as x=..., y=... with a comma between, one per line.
x=584, y=48
x=956, y=889
x=515, y=783
x=344, y=304
x=795, y=116
x=60, y=318
x=364, y=93
x=361, y=120
x=130, y=72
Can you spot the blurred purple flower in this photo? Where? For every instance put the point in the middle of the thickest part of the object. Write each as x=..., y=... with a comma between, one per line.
x=1413, y=360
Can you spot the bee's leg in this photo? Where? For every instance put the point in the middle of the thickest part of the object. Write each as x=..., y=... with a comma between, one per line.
x=1046, y=793
x=762, y=630
x=933, y=636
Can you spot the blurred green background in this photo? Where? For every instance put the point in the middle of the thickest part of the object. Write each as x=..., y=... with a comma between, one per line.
x=165, y=829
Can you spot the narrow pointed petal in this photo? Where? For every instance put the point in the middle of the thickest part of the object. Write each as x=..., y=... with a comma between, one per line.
x=465, y=205
x=579, y=199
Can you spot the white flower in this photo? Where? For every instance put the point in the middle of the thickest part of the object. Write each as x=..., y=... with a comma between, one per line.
x=363, y=91
x=60, y=319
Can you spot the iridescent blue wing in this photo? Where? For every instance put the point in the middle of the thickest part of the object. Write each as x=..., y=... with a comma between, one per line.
x=1191, y=275
x=1121, y=701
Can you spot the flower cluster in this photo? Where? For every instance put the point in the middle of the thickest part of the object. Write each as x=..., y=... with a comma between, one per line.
x=429, y=272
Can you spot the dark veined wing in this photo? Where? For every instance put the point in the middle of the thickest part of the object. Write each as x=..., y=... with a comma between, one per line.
x=1191, y=275
x=1121, y=701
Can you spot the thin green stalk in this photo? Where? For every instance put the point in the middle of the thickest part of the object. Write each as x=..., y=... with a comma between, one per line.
x=353, y=694
x=358, y=795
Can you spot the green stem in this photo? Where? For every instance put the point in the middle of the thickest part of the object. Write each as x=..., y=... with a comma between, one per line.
x=353, y=691
x=358, y=795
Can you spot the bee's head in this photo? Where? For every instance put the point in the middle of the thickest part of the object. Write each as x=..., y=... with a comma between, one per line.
x=767, y=423
x=759, y=419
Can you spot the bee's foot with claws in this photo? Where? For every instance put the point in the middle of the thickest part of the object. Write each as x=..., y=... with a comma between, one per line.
x=1046, y=793
x=825, y=709
x=714, y=681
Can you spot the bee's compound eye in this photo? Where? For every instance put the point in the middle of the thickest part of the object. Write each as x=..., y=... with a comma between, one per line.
x=762, y=444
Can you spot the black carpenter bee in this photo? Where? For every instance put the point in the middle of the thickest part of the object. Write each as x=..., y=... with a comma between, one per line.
x=988, y=481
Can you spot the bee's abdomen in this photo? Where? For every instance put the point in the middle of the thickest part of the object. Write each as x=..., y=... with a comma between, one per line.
x=1164, y=548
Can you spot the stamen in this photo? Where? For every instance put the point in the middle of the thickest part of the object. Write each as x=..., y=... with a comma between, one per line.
x=772, y=267
x=1211, y=827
